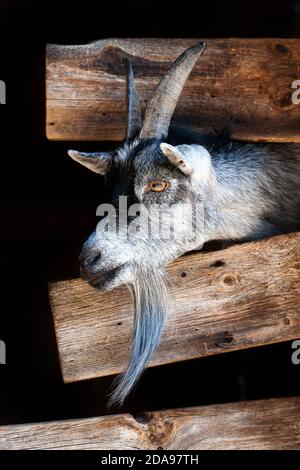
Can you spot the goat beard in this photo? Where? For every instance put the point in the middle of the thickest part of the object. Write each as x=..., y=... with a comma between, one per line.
x=150, y=296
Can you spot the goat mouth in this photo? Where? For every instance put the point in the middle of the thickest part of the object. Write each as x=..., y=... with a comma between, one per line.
x=102, y=278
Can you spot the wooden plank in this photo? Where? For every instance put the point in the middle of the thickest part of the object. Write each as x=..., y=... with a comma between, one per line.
x=242, y=84
x=264, y=424
x=246, y=295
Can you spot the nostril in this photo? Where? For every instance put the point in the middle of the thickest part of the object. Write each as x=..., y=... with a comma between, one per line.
x=91, y=261
x=96, y=259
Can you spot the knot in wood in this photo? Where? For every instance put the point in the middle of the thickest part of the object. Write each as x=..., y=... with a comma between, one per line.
x=160, y=431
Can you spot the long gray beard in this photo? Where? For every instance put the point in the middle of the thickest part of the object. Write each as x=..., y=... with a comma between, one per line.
x=150, y=296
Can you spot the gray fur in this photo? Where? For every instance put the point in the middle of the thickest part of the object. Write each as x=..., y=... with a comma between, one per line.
x=151, y=305
x=245, y=191
x=250, y=191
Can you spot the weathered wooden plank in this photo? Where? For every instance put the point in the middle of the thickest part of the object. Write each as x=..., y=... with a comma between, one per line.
x=244, y=296
x=259, y=425
x=242, y=84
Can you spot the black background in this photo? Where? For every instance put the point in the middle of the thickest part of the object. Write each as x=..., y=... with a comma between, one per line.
x=48, y=208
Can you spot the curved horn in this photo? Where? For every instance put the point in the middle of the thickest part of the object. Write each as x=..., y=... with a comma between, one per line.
x=161, y=105
x=134, y=119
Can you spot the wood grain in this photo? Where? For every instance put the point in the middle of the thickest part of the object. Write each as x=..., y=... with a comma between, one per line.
x=264, y=424
x=244, y=85
x=246, y=295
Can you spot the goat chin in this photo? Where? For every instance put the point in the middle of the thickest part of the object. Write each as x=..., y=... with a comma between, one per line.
x=150, y=296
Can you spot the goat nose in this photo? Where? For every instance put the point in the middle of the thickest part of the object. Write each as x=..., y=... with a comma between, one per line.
x=89, y=260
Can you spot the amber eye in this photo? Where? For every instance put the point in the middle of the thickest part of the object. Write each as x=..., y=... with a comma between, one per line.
x=157, y=185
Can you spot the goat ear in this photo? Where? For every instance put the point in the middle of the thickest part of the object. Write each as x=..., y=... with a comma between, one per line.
x=176, y=157
x=96, y=162
x=192, y=160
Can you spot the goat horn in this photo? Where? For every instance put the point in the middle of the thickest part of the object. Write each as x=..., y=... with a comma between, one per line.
x=161, y=106
x=134, y=119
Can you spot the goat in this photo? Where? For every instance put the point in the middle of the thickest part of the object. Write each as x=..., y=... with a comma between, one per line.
x=246, y=191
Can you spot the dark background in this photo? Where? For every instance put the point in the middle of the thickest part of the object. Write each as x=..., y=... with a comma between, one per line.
x=48, y=208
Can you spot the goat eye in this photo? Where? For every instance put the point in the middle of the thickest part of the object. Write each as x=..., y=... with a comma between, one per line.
x=157, y=186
